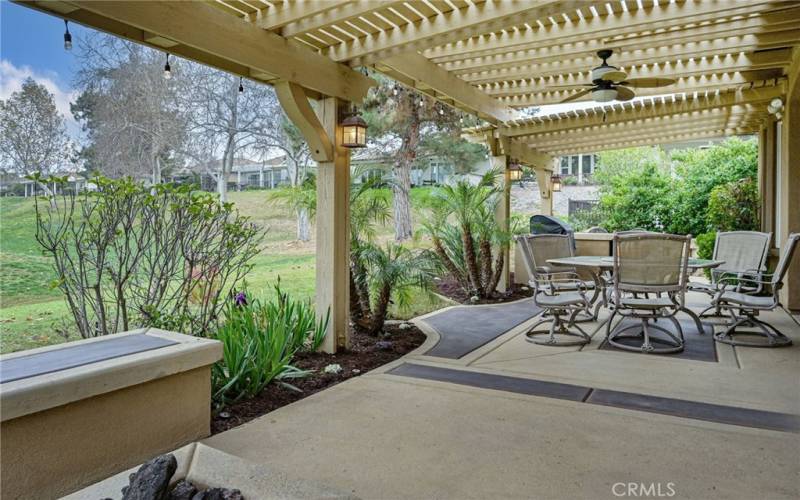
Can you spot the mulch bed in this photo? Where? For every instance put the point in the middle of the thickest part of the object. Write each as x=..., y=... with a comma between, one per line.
x=365, y=354
x=450, y=288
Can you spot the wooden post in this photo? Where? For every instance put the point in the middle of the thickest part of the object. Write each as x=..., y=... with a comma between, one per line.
x=545, y=193
x=766, y=174
x=333, y=232
x=320, y=127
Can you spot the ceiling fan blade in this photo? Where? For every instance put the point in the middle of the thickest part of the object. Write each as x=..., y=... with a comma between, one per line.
x=648, y=83
x=569, y=87
x=624, y=93
x=576, y=95
x=616, y=75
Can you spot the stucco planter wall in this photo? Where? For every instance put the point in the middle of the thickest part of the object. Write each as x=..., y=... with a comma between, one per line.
x=64, y=429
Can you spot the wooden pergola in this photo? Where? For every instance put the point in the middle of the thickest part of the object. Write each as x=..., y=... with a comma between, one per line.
x=494, y=59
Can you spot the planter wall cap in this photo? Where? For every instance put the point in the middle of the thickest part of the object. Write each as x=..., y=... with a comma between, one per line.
x=179, y=353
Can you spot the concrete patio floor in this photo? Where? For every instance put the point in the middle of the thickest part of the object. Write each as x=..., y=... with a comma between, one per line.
x=383, y=435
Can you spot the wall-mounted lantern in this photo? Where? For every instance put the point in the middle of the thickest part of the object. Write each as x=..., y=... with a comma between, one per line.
x=514, y=172
x=555, y=183
x=354, y=131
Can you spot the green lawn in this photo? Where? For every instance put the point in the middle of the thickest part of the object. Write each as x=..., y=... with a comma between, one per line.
x=34, y=314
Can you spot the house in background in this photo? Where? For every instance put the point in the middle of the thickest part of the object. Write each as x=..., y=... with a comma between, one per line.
x=245, y=174
x=426, y=170
x=15, y=185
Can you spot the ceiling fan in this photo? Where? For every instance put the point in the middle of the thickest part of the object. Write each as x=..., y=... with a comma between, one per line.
x=609, y=83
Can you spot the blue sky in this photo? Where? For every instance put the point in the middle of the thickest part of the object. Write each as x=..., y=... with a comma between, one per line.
x=32, y=44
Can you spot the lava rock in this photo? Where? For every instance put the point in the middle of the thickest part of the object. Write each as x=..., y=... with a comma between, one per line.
x=151, y=481
x=183, y=490
x=219, y=494
x=383, y=345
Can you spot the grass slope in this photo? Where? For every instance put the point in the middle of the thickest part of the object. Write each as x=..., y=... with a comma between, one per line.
x=34, y=314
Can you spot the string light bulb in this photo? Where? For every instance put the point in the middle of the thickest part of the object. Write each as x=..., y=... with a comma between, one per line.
x=241, y=86
x=167, y=69
x=395, y=91
x=441, y=111
x=67, y=36
x=421, y=102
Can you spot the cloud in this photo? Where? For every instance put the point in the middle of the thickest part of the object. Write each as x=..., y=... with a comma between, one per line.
x=11, y=78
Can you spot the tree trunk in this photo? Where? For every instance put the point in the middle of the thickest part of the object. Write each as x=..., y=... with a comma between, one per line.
x=485, y=263
x=381, y=309
x=156, y=170
x=471, y=259
x=499, y=264
x=303, y=225
x=401, y=190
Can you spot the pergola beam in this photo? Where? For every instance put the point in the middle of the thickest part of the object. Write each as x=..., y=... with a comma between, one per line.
x=224, y=41
x=650, y=141
x=635, y=110
x=718, y=58
x=414, y=67
x=700, y=84
x=598, y=28
x=632, y=127
x=742, y=125
x=474, y=18
x=290, y=12
x=634, y=54
x=337, y=13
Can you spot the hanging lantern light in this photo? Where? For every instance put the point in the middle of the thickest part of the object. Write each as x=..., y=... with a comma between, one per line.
x=354, y=131
x=555, y=183
x=67, y=36
x=514, y=172
x=167, y=69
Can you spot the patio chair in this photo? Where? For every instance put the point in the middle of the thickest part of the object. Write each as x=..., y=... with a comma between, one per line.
x=749, y=306
x=744, y=254
x=558, y=291
x=648, y=263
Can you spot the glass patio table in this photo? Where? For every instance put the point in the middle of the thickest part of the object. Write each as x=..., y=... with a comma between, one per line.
x=595, y=264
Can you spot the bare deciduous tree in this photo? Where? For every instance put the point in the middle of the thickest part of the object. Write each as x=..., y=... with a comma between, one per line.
x=133, y=120
x=224, y=121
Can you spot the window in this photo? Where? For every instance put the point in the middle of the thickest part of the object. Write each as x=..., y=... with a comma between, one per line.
x=573, y=164
x=586, y=164
x=565, y=165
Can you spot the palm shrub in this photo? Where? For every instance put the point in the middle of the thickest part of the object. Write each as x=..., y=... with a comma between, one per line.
x=467, y=240
x=259, y=340
x=392, y=272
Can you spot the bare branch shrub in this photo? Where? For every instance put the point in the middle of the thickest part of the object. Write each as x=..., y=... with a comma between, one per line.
x=127, y=256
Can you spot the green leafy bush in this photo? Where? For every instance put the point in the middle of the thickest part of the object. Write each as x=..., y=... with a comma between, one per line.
x=734, y=206
x=634, y=187
x=259, y=340
x=697, y=172
x=129, y=256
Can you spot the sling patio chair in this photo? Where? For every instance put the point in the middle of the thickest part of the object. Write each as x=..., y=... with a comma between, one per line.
x=744, y=254
x=644, y=264
x=749, y=306
x=558, y=291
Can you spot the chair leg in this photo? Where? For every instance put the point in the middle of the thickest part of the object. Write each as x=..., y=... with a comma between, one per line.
x=650, y=344
x=773, y=337
x=558, y=327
